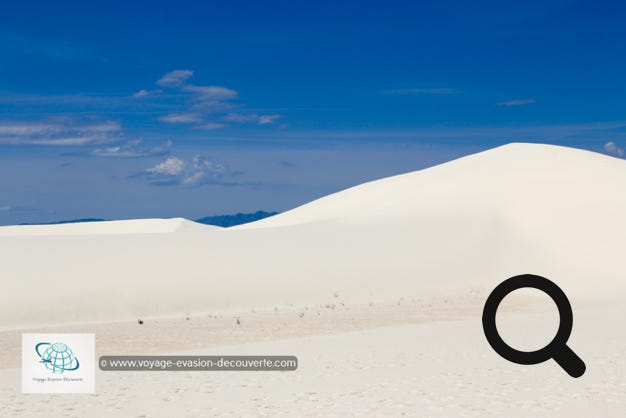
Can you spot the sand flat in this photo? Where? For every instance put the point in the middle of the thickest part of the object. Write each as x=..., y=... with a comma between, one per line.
x=438, y=369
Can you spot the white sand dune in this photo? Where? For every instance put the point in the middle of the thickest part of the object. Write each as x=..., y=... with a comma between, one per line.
x=420, y=250
x=134, y=226
x=452, y=229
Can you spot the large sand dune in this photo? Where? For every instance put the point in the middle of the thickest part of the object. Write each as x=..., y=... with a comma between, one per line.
x=453, y=229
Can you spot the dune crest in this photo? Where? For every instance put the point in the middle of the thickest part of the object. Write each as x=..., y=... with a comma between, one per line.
x=133, y=226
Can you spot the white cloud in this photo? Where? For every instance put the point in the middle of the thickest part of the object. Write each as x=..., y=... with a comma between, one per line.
x=213, y=93
x=146, y=93
x=268, y=119
x=71, y=141
x=132, y=149
x=612, y=148
x=200, y=120
x=201, y=168
x=172, y=166
x=201, y=163
x=182, y=118
x=205, y=106
x=5, y=208
x=26, y=129
x=175, y=78
x=193, y=178
x=60, y=132
x=141, y=93
x=177, y=171
x=251, y=118
x=517, y=102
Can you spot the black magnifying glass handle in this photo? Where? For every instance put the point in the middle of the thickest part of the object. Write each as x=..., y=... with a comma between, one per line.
x=570, y=362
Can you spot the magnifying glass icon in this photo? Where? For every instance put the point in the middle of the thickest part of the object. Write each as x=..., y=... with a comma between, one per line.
x=557, y=349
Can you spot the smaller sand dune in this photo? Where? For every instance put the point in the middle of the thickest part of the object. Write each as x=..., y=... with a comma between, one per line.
x=134, y=226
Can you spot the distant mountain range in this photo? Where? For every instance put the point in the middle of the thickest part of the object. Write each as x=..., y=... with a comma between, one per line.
x=70, y=221
x=218, y=220
x=237, y=219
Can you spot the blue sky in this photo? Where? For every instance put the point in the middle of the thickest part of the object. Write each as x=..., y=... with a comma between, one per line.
x=127, y=109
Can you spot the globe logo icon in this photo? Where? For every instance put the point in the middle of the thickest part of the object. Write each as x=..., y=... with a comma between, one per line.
x=57, y=357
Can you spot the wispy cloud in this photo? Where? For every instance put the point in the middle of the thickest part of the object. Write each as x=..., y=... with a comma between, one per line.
x=72, y=121
x=495, y=134
x=251, y=118
x=207, y=107
x=174, y=78
x=5, y=208
x=612, y=148
x=146, y=93
x=188, y=118
x=268, y=119
x=176, y=171
x=517, y=102
x=217, y=93
x=424, y=91
x=212, y=126
x=132, y=149
x=59, y=132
